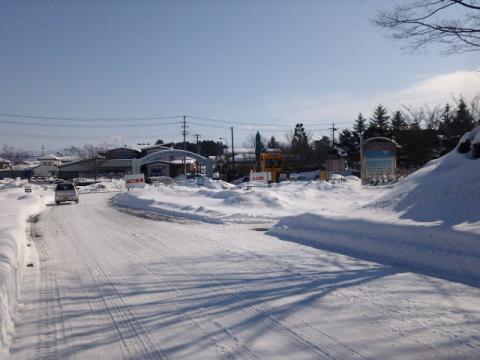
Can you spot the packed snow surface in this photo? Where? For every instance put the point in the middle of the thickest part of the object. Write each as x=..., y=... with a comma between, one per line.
x=117, y=286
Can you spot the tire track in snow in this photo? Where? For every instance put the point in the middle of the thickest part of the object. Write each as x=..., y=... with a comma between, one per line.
x=131, y=331
x=102, y=314
x=295, y=268
x=314, y=340
x=53, y=333
x=230, y=346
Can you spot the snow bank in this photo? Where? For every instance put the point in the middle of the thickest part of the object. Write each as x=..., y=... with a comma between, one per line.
x=429, y=221
x=16, y=206
x=107, y=185
x=446, y=191
x=218, y=202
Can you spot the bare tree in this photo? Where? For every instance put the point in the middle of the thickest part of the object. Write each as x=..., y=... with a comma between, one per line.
x=430, y=118
x=455, y=24
x=90, y=152
x=475, y=108
x=13, y=155
x=87, y=151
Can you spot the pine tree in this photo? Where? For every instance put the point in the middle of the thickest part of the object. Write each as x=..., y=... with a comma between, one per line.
x=453, y=126
x=463, y=120
x=379, y=125
x=398, y=123
x=300, y=143
x=360, y=124
x=349, y=142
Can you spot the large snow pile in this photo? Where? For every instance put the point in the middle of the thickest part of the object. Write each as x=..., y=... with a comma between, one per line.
x=429, y=221
x=16, y=206
x=218, y=202
x=445, y=191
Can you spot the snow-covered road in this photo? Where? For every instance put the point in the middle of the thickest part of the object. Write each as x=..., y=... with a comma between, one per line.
x=108, y=284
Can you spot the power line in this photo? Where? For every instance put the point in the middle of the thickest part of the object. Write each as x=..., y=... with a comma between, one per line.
x=79, y=118
x=285, y=128
x=27, y=123
x=134, y=118
x=50, y=136
x=202, y=118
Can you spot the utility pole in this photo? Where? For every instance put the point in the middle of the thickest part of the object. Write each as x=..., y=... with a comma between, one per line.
x=233, y=156
x=333, y=128
x=43, y=150
x=197, y=136
x=184, y=133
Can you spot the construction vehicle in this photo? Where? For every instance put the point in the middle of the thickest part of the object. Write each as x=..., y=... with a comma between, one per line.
x=271, y=161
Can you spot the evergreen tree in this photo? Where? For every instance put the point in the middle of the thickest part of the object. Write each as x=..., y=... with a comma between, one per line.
x=360, y=124
x=322, y=149
x=463, y=120
x=349, y=142
x=259, y=148
x=379, y=125
x=273, y=143
x=300, y=143
x=398, y=123
x=453, y=126
x=445, y=120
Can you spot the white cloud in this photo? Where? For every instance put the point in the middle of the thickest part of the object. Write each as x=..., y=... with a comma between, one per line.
x=344, y=107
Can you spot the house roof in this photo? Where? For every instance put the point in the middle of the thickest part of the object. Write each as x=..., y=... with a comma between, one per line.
x=50, y=157
x=149, y=147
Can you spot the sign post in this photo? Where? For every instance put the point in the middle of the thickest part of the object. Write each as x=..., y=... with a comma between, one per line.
x=260, y=177
x=378, y=159
x=134, y=181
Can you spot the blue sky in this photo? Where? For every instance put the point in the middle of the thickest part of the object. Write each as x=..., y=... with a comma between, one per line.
x=260, y=62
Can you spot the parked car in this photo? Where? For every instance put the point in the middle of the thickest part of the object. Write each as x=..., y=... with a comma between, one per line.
x=27, y=188
x=65, y=192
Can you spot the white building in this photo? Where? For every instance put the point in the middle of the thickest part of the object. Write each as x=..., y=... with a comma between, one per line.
x=48, y=166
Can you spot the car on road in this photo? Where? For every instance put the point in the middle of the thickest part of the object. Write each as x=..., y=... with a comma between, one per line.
x=65, y=192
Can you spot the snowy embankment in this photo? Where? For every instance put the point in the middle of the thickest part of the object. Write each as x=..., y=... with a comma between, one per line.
x=103, y=185
x=16, y=207
x=219, y=202
x=430, y=221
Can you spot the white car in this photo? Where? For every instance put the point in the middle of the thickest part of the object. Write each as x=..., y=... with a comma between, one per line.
x=65, y=192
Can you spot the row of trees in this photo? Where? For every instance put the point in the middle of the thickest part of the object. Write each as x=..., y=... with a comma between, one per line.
x=423, y=134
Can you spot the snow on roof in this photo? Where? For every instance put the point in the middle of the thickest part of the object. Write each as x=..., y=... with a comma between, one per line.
x=50, y=157
x=149, y=147
x=2, y=160
x=122, y=148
